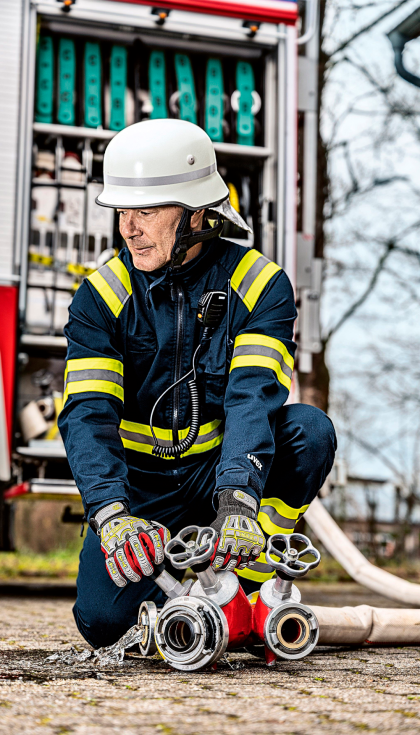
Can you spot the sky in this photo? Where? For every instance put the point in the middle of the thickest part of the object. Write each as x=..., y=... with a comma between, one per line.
x=375, y=141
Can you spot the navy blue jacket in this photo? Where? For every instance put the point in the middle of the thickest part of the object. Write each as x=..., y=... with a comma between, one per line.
x=132, y=333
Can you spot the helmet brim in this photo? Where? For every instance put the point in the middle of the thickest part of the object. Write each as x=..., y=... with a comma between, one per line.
x=192, y=195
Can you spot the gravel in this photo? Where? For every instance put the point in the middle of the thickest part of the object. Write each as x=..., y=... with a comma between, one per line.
x=336, y=691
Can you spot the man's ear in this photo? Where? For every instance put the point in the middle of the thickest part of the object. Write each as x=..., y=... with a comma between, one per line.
x=197, y=219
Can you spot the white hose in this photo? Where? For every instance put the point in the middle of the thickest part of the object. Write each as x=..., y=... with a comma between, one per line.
x=350, y=626
x=352, y=560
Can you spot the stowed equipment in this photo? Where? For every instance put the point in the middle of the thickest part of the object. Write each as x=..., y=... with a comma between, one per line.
x=200, y=622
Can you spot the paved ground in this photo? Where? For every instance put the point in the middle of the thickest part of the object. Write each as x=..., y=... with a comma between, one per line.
x=336, y=691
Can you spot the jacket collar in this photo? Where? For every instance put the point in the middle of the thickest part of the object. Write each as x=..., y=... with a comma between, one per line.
x=188, y=274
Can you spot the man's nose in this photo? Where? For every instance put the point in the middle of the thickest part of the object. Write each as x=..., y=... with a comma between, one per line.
x=130, y=227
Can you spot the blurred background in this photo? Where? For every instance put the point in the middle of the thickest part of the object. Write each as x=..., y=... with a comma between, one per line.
x=314, y=111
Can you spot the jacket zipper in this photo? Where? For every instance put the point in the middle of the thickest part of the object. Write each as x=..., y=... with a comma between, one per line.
x=178, y=359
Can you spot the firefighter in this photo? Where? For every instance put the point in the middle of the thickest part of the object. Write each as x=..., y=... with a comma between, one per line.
x=132, y=333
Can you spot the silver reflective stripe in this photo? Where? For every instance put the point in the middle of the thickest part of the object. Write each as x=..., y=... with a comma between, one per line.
x=139, y=438
x=265, y=352
x=114, y=283
x=201, y=173
x=260, y=567
x=76, y=375
x=211, y=435
x=276, y=518
x=251, y=275
x=135, y=436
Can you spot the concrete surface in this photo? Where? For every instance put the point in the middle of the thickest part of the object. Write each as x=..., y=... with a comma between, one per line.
x=336, y=691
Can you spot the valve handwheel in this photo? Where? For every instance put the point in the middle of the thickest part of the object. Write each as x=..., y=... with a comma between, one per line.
x=193, y=552
x=290, y=558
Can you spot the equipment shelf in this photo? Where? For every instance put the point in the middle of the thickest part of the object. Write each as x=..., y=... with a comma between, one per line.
x=44, y=342
x=74, y=131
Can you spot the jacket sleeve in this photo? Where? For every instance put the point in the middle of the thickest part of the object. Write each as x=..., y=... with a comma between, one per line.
x=93, y=402
x=259, y=384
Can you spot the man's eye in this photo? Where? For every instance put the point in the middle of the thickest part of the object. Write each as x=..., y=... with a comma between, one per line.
x=145, y=214
x=122, y=211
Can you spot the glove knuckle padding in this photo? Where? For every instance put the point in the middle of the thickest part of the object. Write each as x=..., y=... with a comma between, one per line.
x=125, y=566
x=140, y=557
x=239, y=535
x=132, y=546
x=114, y=573
x=158, y=546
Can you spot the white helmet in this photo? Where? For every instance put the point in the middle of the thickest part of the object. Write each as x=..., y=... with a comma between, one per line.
x=157, y=162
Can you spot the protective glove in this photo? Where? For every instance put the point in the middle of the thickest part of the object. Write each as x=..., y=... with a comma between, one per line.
x=241, y=540
x=132, y=546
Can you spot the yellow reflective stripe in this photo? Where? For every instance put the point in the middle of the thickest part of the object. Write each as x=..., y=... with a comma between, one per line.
x=138, y=446
x=260, y=361
x=204, y=429
x=269, y=527
x=253, y=597
x=95, y=386
x=94, y=382
x=243, y=267
x=205, y=447
x=259, y=350
x=118, y=267
x=283, y=509
x=133, y=426
x=253, y=574
x=94, y=363
x=112, y=281
x=250, y=278
x=261, y=340
x=260, y=282
x=195, y=449
x=106, y=292
x=143, y=430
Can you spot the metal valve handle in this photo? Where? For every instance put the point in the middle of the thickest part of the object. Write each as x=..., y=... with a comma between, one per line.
x=290, y=558
x=194, y=552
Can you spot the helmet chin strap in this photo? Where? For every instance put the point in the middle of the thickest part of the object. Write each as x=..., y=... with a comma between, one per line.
x=185, y=239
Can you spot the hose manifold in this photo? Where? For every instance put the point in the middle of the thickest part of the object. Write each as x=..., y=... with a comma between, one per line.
x=191, y=633
x=291, y=631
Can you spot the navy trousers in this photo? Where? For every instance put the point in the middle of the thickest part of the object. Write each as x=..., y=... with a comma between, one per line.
x=178, y=496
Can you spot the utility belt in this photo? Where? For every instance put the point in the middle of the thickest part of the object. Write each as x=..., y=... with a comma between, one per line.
x=138, y=437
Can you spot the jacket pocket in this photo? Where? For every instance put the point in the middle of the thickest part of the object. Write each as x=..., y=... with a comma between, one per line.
x=145, y=343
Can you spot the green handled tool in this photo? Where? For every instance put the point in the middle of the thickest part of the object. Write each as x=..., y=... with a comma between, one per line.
x=93, y=79
x=214, y=100
x=157, y=85
x=245, y=84
x=44, y=81
x=118, y=83
x=66, y=81
x=186, y=88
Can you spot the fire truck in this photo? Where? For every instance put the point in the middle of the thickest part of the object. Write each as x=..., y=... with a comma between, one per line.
x=74, y=73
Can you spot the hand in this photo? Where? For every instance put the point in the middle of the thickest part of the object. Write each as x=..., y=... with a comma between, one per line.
x=241, y=540
x=132, y=546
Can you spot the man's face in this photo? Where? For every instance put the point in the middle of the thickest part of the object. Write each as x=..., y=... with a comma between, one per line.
x=150, y=234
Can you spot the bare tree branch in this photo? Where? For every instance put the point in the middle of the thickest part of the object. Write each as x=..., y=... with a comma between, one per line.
x=362, y=298
x=367, y=28
x=368, y=447
x=357, y=190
